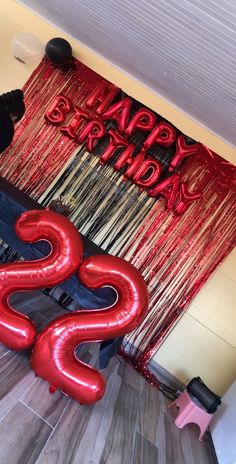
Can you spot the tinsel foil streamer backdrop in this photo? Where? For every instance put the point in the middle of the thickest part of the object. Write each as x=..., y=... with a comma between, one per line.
x=175, y=253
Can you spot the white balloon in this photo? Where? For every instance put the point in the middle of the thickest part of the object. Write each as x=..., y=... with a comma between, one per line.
x=27, y=48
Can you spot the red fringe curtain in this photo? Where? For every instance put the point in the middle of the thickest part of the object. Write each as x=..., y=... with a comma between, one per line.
x=176, y=254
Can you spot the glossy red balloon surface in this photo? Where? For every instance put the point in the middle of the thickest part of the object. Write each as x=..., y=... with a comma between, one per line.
x=53, y=355
x=17, y=331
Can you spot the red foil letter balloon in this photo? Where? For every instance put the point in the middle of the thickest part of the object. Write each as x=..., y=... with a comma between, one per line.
x=17, y=331
x=53, y=356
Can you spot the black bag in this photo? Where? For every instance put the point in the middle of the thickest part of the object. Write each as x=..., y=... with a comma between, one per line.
x=204, y=395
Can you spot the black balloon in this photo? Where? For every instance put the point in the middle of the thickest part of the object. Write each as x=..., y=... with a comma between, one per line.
x=58, y=51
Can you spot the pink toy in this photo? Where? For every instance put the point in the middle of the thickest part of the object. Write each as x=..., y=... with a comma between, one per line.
x=190, y=410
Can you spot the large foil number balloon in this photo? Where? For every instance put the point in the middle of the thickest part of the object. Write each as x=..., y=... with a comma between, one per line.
x=17, y=331
x=53, y=356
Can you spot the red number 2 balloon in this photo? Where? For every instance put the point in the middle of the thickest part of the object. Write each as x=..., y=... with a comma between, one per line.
x=53, y=356
x=17, y=331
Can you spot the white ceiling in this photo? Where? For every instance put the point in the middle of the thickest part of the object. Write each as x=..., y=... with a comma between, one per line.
x=185, y=50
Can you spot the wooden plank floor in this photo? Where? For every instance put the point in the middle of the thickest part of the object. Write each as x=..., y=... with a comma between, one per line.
x=130, y=425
